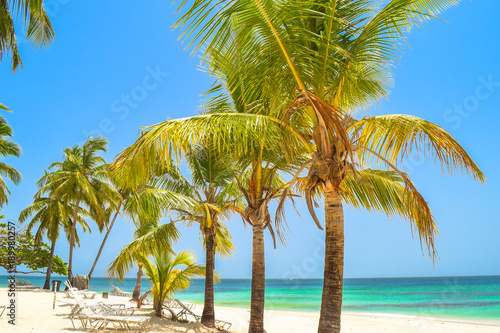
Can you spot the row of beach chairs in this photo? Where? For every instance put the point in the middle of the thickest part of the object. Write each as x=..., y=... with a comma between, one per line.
x=24, y=285
x=180, y=310
x=99, y=315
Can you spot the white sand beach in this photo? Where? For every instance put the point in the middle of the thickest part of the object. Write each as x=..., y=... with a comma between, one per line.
x=35, y=314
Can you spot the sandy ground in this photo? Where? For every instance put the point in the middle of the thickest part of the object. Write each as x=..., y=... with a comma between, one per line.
x=35, y=314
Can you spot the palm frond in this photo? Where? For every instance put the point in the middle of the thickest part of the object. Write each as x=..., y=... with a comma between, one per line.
x=397, y=137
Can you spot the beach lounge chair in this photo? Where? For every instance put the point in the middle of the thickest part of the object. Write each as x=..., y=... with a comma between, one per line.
x=100, y=307
x=28, y=284
x=118, y=309
x=118, y=292
x=186, y=311
x=98, y=317
x=86, y=293
x=23, y=285
x=171, y=303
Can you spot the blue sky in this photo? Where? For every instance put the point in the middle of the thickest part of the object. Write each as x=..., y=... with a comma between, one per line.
x=114, y=68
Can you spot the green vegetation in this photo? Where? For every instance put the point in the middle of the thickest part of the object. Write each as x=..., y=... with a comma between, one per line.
x=80, y=178
x=52, y=215
x=34, y=255
x=32, y=15
x=166, y=277
x=7, y=148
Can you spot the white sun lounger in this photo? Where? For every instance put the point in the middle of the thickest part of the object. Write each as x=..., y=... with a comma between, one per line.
x=85, y=293
x=118, y=292
x=99, y=317
x=186, y=311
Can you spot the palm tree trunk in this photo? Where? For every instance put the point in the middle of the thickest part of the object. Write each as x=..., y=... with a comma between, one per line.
x=143, y=297
x=104, y=242
x=208, y=316
x=72, y=239
x=159, y=308
x=258, y=280
x=331, y=302
x=46, y=285
x=137, y=289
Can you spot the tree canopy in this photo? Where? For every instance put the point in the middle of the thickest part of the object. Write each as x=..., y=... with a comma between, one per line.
x=34, y=255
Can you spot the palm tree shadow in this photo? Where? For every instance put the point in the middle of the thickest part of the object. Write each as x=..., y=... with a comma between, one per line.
x=163, y=324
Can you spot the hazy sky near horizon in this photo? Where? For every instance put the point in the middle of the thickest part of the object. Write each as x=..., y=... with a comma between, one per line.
x=114, y=68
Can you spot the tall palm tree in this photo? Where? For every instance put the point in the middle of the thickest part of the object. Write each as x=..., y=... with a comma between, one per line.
x=7, y=148
x=338, y=55
x=32, y=15
x=52, y=215
x=80, y=178
x=214, y=191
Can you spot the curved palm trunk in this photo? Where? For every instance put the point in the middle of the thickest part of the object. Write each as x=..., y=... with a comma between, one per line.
x=258, y=280
x=137, y=289
x=331, y=302
x=103, y=242
x=46, y=285
x=72, y=239
x=142, y=298
x=208, y=316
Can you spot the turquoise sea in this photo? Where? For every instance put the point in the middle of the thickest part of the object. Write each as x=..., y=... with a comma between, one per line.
x=471, y=297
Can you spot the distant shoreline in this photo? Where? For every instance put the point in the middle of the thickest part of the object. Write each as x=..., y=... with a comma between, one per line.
x=36, y=315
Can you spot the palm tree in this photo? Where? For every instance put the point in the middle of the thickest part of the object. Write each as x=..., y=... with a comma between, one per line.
x=212, y=194
x=7, y=148
x=166, y=277
x=214, y=191
x=51, y=215
x=32, y=15
x=80, y=178
x=338, y=56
